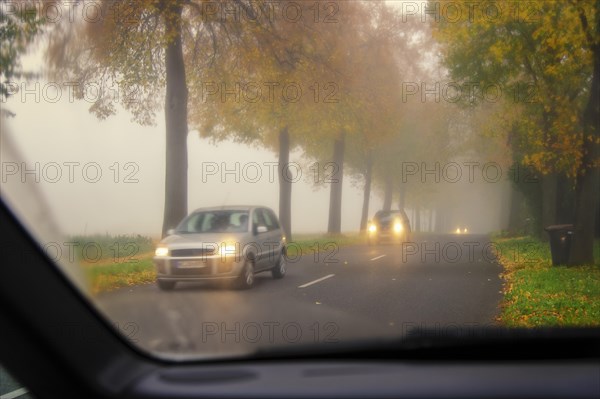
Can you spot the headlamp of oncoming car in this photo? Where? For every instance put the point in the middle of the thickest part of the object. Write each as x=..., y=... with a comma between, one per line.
x=161, y=251
x=229, y=248
x=398, y=226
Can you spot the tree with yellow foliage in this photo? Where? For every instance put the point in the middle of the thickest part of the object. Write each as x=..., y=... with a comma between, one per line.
x=544, y=57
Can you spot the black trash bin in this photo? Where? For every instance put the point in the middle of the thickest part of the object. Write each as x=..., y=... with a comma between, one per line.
x=560, y=242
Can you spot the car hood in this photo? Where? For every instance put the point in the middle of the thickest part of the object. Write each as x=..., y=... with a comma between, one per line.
x=201, y=240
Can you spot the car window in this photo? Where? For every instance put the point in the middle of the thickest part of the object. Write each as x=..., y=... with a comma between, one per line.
x=195, y=223
x=258, y=218
x=214, y=222
x=142, y=143
x=269, y=220
x=239, y=221
x=273, y=223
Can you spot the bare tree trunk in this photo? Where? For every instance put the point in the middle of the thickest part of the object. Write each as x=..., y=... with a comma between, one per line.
x=515, y=222
x=387, y=198
x=586, y=196
x=565, y=200
x=366, y=192
x=285, y=184
x=335, y=197
x=176, y=103
x=417, y=219
x=430, y=228
x=401, y=196
x=440, y=220
x=549, y=183
x=582, y=245
x=597, y=233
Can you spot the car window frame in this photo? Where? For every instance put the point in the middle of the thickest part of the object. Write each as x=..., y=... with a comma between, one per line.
x=274, y=219
x=259, y=217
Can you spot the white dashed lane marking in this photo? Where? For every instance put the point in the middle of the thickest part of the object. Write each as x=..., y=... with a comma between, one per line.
x=14, y=394
x=316, y=281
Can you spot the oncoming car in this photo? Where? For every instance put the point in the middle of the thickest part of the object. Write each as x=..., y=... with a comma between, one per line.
x=225, y=243
x=390, y=226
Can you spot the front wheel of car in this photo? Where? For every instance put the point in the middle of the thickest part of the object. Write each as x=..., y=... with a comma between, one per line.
x=246, y=277
x=280, y=268
x=165, y=285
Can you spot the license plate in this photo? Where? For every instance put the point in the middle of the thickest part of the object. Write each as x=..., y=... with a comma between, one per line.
x=190, y=264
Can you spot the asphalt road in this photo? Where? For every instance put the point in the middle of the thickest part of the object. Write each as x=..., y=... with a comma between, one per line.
x=352, y=293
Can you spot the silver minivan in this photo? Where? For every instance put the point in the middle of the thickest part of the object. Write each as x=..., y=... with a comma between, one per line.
x=222, y=243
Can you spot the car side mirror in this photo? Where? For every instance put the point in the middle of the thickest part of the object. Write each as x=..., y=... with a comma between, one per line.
x=170, y=232
x=260, y=229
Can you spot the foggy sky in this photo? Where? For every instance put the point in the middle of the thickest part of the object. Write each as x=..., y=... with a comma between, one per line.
x=70, y=146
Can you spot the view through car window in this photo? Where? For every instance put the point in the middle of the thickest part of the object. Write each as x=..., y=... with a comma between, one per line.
x=224, y=178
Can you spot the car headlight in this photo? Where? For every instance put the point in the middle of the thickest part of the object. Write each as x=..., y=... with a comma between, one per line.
x=465, y=231
x=372, y=228
x=229, y=249
x=397, y=227
x=161, y=251
x=458, y=230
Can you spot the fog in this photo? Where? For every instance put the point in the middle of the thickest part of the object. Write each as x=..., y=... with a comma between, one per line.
x=108, y=176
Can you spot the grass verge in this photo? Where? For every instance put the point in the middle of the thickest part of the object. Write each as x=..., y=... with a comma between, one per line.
x=109, y=276
x=114, y=261
x=538, y=294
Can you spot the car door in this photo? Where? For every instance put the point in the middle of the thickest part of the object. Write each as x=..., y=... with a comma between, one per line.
x=272, y=242
x=258, y=242
x=266, y=239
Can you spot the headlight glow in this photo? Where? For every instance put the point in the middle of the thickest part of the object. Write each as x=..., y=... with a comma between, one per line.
x=397, y=227
x=458, y=230
x=161, y=251
x=372, y=228
x=228, y=248
x=465, y=230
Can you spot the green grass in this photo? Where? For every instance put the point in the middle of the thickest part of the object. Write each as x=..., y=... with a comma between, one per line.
x=110, y=276
x=114, y=261
x=539, y=294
